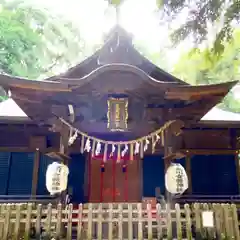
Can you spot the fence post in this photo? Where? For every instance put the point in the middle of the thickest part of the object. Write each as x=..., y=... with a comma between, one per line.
x=188, y=221
x=230, y=221
x=59, y=221
x=169, y=221
x=120, y=222
x=159, y=221
x=217, y=213
x=28, y=221
x=38, y=221
x=178, y=221
x=226, y=220
x=110, y=223
x=198, y=220
x=17, y=223
x=49, y=220
x=89, y=231
x=149, y=218
x=69, y=223
x=2, y=209
x=99, y=222
x=140, y=222
x=130, y=222
x=235, y=222
x=7, y=222
x=80, y=222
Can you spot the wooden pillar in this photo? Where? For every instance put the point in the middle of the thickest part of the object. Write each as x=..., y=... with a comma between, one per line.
x=9, y=172
x=189, y=173
x=35, y=173
x=36, y=144
x=168, y=157
x=63, y=148
x=64, y=135
x=233, y=140
x=167, y=163
x=140, y=167
x=237, y=162
x=87, y=177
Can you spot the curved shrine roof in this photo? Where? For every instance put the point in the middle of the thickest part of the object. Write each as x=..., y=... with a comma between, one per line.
x=118, y=49
x=151, y=103
x=117, y=68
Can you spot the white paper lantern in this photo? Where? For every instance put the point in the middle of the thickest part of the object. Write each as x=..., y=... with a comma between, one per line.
x=56, y=178
x=176, y=180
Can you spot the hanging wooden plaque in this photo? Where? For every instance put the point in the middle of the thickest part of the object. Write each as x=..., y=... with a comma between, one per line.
x=117, y=114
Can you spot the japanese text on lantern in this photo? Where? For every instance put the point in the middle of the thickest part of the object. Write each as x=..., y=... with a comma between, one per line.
x=117, y=114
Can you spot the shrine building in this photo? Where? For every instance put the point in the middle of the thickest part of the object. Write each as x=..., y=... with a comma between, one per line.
x=117, y=121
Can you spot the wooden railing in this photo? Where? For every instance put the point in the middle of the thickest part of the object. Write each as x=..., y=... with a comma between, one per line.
x=116, y=221
x=232, y=199
x=40, y=199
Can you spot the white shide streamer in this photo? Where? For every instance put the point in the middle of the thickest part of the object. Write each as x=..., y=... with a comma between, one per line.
x=137, y=146
x=98, y=149
x=124, y=150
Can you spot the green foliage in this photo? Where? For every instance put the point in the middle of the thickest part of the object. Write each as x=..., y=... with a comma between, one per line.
x=201, y=14
x=203, y=67
x=115, y=2
x=160, y=3
x=19, y=44
x=34, y=42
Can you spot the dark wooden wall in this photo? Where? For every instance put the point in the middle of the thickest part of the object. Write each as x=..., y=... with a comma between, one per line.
x=22, y=149
x=210, y=175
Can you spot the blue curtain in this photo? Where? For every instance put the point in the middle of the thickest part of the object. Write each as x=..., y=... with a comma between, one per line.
x=76, y=177
x=20, y=179
x=5, y=158
x=214, y=175
x=43, y=164
x=153, y=175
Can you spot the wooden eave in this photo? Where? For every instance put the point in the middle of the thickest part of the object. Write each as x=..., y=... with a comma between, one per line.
x=9, y=82
x=34, y=97
x=172, y=90
x=189, y=92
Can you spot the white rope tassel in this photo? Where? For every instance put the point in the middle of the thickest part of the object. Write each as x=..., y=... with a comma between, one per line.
x=156, y=141
x=146, y=145
x=87, y=146
x=73, y=138
x=137, y=147
x=98, y=149
x=113, y=150
x=124, y=150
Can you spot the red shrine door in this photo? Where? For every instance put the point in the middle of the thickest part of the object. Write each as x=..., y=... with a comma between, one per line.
x=114, y=182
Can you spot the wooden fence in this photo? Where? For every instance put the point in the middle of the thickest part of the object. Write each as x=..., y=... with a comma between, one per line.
x=116, y=221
